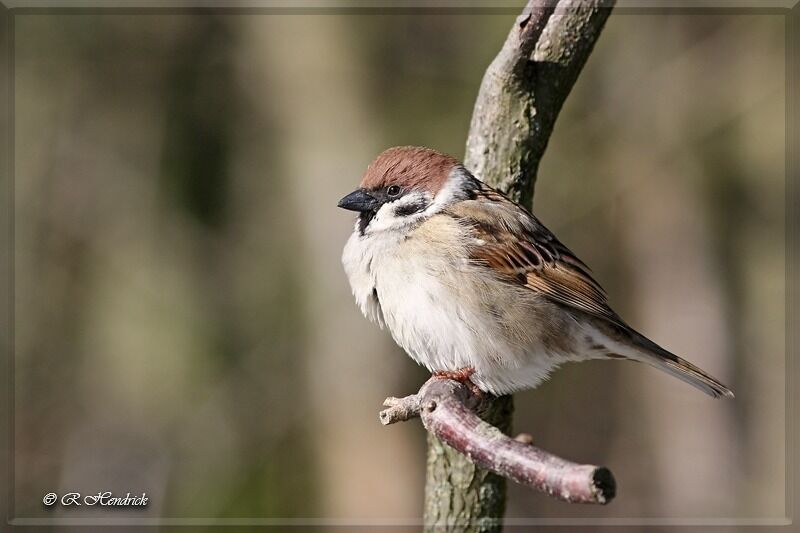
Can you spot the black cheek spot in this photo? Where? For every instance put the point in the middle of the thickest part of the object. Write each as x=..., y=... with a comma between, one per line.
x=409, y=209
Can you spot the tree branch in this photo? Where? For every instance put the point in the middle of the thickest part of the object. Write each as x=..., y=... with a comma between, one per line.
x=448, y=411
x=520, y=98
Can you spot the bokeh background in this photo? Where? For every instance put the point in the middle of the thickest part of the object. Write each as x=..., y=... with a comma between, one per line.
x=182, y=322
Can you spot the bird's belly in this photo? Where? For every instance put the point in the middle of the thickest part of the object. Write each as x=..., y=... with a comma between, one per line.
x=425, y=319
x=446, y=321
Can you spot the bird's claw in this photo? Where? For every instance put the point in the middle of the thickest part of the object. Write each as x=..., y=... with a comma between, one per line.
x=461, y=375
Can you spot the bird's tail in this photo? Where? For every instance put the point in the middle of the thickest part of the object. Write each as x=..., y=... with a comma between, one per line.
x=642, y=349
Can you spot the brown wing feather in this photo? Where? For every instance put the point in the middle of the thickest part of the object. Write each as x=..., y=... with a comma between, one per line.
x=516, y=246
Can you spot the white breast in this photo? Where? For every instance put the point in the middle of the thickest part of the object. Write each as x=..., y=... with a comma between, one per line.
x=442, y=312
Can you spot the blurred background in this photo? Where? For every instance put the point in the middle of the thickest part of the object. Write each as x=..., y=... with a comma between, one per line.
x=183, y=326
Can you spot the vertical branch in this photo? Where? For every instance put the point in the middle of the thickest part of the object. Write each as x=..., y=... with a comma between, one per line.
x=519, y=100
x=524, y=88
x=460, y=494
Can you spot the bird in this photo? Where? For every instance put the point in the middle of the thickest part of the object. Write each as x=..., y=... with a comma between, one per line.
x=474, y=287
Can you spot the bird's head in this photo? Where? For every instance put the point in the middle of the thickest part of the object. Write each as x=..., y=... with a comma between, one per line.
x=405, y=185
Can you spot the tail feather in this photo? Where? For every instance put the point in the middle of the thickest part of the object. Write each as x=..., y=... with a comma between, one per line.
x=635, y=346
x=654, y=355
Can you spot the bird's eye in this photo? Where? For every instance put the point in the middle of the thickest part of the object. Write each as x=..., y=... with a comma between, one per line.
x=393, y=190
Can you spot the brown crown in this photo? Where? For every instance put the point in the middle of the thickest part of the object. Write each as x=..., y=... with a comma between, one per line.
x=411, y=167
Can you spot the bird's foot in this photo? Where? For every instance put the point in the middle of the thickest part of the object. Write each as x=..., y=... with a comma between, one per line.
x=462, y=375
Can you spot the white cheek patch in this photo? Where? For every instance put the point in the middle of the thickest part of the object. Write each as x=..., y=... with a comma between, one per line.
x=453, y=190
x=383, y=219
x=401, y=212
x=444, y=198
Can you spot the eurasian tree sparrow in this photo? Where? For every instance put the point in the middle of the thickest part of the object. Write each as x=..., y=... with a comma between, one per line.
x=473, y=286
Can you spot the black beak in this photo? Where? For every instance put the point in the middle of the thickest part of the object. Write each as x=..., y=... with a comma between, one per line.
x=359, y=200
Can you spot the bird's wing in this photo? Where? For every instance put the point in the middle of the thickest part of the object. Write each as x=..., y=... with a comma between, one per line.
x=512, y=242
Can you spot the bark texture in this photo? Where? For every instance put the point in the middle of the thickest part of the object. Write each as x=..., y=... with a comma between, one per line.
x=459, y=494
x=524, y=88
x=520, y=97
